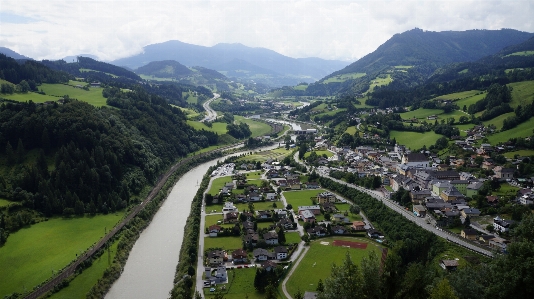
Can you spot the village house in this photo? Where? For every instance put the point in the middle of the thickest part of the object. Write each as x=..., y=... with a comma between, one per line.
x=239, y=256
x=503, y=173
x=286, y=224
x=251, y=239
x=339, y=230
x=326, y=197
x=216, y=257
x=280, y=252
x=502, y=225
x=316, y=209
x=261, y=254
x=214, y=230
x=358, y=226
x=317, y=231
x=271, y=238
x=448, y=265
x=307, y=216
x=470, y=234
x=499, y=244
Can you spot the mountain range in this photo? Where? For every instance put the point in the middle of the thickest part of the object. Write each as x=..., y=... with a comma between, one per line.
x=238, y=61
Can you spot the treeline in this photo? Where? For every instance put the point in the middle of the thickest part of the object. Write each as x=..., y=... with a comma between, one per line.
x=31, y=71
x=522, y=114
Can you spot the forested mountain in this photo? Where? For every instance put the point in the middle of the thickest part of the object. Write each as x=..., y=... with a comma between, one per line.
x=89, y=65
x=71, y=157
x=242, y=62
x=164, y=69
x=419, y=47
x=31, y=71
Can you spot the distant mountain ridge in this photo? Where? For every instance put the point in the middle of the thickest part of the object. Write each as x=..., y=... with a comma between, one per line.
x=12, y=54
x=164, y=69
x=246, y=63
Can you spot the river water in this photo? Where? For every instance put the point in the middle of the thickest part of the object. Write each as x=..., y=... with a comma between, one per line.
x=149, y=271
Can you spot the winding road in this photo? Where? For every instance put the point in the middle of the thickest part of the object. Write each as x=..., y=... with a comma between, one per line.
x=211, y=114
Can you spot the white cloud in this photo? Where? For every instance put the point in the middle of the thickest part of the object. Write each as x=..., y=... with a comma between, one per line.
x=328, y=29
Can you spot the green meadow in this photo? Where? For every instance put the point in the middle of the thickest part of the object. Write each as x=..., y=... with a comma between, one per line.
x=240, y=285
x=82, y=284
x=217, y=127
x=256, y=127
x=415, y=140
x=301, y=198
x=343, y=77
x=31, y=254
x=522, y=93
x=191, y=98
x=457, y=95
x=276, y=154
x=319, y=153
x=318, y=261
x=522, y=130
x=520, y=153
x=420, y=113
x=226, y=243
x=497, y=121
x=379, y=82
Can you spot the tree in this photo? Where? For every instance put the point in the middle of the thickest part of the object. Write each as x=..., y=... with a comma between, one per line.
x=281, y=235
x=298, y=294
x=372, y=280
x=10, y=154
x=354, y=209
x=467, y=222
x=344, y=282
x=20, y=151
x=270, y=292
x=443, y=291
x=320, y=286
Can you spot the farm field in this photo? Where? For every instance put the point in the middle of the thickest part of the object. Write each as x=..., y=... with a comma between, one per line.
x=457, y=95
x=82, y=284
x=317, y=263
x=522, y=130
x=226, y=243
x=301, y=198
x=319, y=153
x=521, y=153
x=31, y=254
x=415, y=140
x=330, y=113
x=379, y=82
x=217, y=127
x=191, y=98
x=257, y=128
x=301, y=87
x=470, y=100
x=420, y=113
x=464, y=128
x=92, y=96
x=343, y=77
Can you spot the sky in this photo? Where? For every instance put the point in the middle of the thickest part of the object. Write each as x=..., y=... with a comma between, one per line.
x=328, y=29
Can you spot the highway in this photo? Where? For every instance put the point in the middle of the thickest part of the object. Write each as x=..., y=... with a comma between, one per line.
x=211, y=114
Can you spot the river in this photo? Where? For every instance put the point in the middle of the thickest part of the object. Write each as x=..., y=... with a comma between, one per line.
x=151, y=265
x=149, y=271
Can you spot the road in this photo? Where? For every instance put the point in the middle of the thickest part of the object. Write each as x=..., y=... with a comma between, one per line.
x=410, y=216
x=211, y=114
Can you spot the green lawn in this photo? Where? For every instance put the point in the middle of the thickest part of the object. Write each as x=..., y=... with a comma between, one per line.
x=293, y=237
x=522, y=93
x=317, y=263
x=212, y=219
x=226, y=243
x=522, y=130
x=218, y=183
x=521, y=153
x=32, y=253
x=301, y=87
x=379, y=82
x=257, y=128
x=319, y=153
x=301, y=198
x=351, y=130
x=254, y=175
x=470, y=100
x=506, y=189
x=217, y=127
x=82, y=284
x=241, y=284
x=191, y=98
x=259, y=206
x=415, y=140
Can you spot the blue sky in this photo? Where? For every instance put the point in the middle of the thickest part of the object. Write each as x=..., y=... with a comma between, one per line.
x=343, y=30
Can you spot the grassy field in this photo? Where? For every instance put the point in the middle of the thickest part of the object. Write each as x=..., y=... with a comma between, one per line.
x=457, y=95
x=259, y=206
x=226, y=243
x=522, y=93
x=380, y=82
x=522, y=53
x=80, y=286
x=92, y=96
x=523, y=130
x=420, y=113
x=217, y=127
x=293, y=237
x=521, y=153
x=191, y=99
x=415, y=140
x=463, y=128
x=301, y=198
x=301, y=87
x=254, y=175
x=497, y=121
x=4, y=202
x=317, y=263
x=351, y=130
x=470, y=100
x=403, y=66
x=189, y=113
x=241, y=284
x=257, y=128
x=319, y=153
x=31, y=254
x=343, y=77
x=276, y=154
x=218, y=183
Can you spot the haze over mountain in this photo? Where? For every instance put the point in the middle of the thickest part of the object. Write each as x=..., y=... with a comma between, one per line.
x=12, y=54
x=236, y=60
